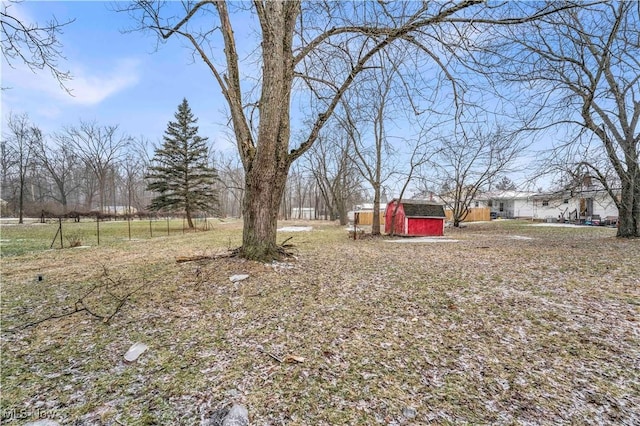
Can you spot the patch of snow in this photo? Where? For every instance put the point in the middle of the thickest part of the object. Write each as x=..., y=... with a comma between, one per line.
x=519, y=237
x=295, y=229
x=280, y=265
x=409, y=412
x=560, y=225
x=238, y=415
x=238, y=277
x=424, y=240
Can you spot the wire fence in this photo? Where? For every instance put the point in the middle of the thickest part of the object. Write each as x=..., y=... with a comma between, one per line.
x=38, y=234
x=73, y=232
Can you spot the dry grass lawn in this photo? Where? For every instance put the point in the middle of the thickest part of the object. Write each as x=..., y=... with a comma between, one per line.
x=512, y=324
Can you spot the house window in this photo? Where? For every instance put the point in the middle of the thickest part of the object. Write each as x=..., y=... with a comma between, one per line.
x=566, y=201
x=501, y=207
x=477, y=204
x=545, y=203
x=490, y=203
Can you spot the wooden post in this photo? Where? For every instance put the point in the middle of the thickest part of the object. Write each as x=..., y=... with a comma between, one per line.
x=129, y=225
x=98, y=227
x=168, y=232
x=150, y=227
x=55, y=237
x=60, y=227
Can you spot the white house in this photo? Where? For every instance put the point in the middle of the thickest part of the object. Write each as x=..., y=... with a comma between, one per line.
x=576, y=205
x=506, y=204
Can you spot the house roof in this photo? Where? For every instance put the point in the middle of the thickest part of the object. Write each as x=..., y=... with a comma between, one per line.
x=501, y=195
x=422, y=208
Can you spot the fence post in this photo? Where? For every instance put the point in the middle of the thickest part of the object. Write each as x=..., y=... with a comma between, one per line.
x=168, y=225
x=150, y=227
x=98, y=228
x=129, y=225
x=60, y=227
x=356, y=219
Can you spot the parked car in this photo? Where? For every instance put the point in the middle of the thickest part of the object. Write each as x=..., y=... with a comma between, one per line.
x=594, y=220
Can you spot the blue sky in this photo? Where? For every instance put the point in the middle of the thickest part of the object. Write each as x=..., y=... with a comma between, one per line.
x=118, y=78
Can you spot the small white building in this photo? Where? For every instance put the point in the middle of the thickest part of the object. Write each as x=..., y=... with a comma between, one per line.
x=120, y=210
x=307, y=213
x=367, y=210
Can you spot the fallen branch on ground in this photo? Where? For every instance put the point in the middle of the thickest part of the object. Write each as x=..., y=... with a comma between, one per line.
x=195, y=258
x=107, y=285
x=285, y=250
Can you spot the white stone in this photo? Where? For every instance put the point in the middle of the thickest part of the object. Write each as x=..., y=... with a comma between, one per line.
x=238, y=277
x=135, y=351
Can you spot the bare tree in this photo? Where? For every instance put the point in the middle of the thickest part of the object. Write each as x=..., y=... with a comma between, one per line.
x=99, y=147
x=421, y=155
x=232, y=180
x=35, y=45
x=21, y=139
x=133, y=183
x=583, y=67
x=302, y=41
x=336, y=177
x=59, y=160
x=372, y=159
x=8, y=161
x=467, y=162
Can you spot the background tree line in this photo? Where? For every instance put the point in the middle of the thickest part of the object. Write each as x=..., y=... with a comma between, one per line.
x=91, y=167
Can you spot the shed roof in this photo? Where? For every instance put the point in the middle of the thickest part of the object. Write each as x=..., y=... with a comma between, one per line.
x=419, y=208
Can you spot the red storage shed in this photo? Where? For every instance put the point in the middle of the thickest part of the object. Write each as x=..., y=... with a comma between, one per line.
x=416, y=218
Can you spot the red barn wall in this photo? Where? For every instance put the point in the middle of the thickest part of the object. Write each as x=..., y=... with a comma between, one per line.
x=425, y=227
x=399, y=228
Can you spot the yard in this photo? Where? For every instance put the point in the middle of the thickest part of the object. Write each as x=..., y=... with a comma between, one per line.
x=509, y=323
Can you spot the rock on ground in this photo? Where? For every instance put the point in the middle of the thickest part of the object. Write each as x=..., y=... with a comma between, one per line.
x=237, y=416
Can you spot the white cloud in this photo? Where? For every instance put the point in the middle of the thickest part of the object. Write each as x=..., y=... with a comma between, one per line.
x=88, y=87
x=92, y=88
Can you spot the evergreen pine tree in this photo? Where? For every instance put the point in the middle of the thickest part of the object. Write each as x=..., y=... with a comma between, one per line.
x=180, y=174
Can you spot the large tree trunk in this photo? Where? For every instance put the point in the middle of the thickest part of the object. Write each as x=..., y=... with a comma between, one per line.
x=375, y=225
x=267, y=166
x=629, y=209
x=341, y=210
x=264, y=187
